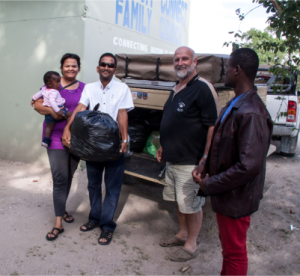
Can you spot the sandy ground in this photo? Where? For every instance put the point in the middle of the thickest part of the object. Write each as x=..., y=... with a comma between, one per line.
x=26, y=213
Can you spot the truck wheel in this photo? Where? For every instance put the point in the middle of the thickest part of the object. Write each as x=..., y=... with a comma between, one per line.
x=288, y=146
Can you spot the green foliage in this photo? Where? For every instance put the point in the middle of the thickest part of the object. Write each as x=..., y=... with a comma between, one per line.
x=254, y=39
x=285, y=19
x=282, y=50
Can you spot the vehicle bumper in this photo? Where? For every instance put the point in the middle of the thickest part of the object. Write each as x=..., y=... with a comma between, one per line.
x=284, y=131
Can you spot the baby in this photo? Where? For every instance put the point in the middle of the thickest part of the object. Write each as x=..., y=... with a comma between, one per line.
x=52, y=98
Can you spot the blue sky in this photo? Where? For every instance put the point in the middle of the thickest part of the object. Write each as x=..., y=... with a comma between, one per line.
x=211, y=20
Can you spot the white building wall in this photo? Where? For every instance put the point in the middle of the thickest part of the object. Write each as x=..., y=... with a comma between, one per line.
x=35, y=34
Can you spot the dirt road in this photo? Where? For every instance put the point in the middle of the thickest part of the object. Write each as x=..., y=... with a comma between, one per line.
x=26, y=213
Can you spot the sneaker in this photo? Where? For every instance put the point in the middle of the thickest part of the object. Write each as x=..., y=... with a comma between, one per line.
x=45, y=145
x=46, y=142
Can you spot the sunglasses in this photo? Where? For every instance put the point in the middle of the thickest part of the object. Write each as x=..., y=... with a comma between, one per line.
x=110, y=65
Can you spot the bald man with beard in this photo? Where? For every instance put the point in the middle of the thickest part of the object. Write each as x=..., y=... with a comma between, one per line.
x=186, y=129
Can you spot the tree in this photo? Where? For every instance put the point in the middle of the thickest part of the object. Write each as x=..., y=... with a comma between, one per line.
x=255, y=38
x=285, y=21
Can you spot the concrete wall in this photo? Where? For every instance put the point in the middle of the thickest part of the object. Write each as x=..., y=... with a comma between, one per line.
x=33, y=38
x=35, y=34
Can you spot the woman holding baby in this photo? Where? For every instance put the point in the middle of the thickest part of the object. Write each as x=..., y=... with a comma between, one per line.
x=63, y=165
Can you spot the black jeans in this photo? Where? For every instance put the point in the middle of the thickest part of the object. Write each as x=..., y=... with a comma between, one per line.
x=113, y=178
x=63, y=166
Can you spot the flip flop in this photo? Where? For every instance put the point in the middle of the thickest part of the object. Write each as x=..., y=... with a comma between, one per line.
x=171, y=241
x=183, y=255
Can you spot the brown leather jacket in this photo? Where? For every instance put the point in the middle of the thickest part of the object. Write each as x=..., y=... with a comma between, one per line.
x=236, y=161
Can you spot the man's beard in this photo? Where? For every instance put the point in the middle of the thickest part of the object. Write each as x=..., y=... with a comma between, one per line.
x=184, y=74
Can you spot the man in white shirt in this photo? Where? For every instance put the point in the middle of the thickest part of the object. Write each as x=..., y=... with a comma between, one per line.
x=115, y=99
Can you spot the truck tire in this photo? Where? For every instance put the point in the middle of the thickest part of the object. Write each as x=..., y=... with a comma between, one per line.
x=289, y=146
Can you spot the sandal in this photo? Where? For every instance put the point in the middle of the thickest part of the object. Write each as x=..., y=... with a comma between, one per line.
x=183, y=255
x=89, y=226
x=67, y=217
x=171, y=241
x=105, y=234
x=55, y=235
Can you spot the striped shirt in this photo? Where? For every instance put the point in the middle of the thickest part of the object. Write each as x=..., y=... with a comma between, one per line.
x=52, y=98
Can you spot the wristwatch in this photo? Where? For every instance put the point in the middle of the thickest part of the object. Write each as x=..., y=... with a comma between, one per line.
x=125, y=141
x=204, y=156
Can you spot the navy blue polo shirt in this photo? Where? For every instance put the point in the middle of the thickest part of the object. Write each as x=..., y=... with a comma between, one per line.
x=185, y=122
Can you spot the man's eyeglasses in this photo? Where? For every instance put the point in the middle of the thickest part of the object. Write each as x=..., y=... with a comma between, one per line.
x=110, y=65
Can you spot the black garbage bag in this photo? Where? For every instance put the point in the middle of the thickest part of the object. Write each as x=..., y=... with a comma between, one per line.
x=153, y=118
x=148, y=117
x=138, y=132
x=95, y=136
x=141, y=122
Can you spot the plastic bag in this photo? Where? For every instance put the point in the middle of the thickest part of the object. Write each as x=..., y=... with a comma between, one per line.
x=147, y=117
x=95, y=136
x=138, y=134
x=154, y=118
x=153, y=143
x=141, y=123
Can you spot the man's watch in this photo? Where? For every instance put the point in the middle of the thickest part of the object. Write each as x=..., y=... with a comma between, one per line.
x=204, y=156
x=125, y=141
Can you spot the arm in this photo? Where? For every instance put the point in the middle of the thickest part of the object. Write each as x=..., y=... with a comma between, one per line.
x=37, y=95
x=159, y=154
x=123, y=125
x=199, y=169
x=209, y=106
x=66, y=138
x=252, y=143
x=45, y=110
x=208, y=142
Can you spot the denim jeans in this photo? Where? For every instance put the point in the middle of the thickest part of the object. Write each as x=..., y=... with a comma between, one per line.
x=103, y=214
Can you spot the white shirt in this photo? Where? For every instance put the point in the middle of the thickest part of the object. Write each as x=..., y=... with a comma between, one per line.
x=115, y=96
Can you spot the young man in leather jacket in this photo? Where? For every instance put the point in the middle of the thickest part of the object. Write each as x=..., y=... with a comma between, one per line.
x=234, y=172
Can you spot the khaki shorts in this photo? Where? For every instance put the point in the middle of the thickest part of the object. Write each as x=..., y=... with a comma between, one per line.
x=182, y=189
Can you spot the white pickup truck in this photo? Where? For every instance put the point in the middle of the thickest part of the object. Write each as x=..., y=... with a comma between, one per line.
x=282, y=104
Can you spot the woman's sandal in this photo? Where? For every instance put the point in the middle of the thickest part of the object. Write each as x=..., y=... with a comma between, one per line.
x=67, y=217
x=59, y=231
x=89, y=226
x=107, y=235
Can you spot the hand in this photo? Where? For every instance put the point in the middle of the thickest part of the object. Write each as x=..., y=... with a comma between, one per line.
x=66, y=138
x=197, y=173
x=202, y=160
x=61, y=114
x=123, y=148
x=55, y=115
x=32, y=103
x=202, y=183
x=159, y=154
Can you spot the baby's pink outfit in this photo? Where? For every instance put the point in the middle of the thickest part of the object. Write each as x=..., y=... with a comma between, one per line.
x=52, y=98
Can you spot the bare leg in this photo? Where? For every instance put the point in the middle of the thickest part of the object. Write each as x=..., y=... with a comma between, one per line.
x=48, y=130
x=68, y=115
x=183, y=230
x=189, y=228
x=194, y=223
